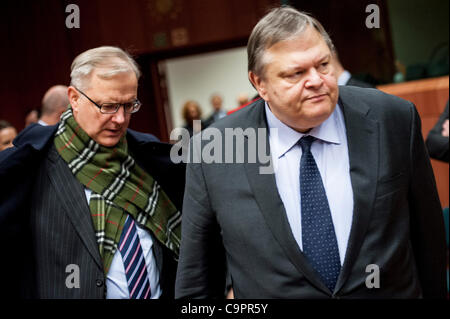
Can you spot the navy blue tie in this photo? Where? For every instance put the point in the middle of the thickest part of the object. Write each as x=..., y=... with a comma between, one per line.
x=318, y=236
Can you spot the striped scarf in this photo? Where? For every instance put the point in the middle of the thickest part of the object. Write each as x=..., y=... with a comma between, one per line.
x=119, y=186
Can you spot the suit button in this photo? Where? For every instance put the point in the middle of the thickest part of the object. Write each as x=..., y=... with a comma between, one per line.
x=99, y=282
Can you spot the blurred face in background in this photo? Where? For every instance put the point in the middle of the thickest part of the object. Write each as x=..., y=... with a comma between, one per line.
x=7, y=135
x=105, y=129
x=192, y=111
x=242, y=99
x=32, y=117
x=216, y=102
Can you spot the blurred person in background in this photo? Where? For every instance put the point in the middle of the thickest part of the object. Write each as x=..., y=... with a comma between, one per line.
x=32, y=116
x=191, y=112
x=343, y=76
x=438, y=138
x=242, y=98
x=7, y=135
x=54, y=103
x=218, y=112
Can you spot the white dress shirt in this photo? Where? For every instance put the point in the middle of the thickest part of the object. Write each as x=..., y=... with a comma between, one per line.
x=116, y=280
x=330, y=152
x=344, y=77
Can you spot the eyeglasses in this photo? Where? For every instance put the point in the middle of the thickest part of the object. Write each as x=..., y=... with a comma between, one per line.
x=111, y=108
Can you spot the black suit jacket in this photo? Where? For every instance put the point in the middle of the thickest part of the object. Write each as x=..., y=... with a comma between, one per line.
x=355, y=82
x=232, y=212
x=45, y=217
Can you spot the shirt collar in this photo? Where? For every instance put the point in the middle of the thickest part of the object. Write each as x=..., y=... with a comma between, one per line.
x=344, y=77
x=286, y=137
x=42, y=123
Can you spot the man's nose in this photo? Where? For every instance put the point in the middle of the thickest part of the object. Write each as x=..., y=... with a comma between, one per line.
x=119, y=116
x=314, y=79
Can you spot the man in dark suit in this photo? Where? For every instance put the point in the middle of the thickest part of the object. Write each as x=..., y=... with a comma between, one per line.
x=350, y=209
x=88, y=208
x=343, y=76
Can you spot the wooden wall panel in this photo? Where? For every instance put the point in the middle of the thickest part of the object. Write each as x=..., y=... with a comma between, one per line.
x=35, y=55
x=362, y=51
x=429, y=97
x=39, y=49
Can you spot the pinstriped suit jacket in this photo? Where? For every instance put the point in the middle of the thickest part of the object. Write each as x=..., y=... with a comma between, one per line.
x=47, y=219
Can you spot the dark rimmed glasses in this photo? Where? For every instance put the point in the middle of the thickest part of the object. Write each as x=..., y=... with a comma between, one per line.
x=111, y=108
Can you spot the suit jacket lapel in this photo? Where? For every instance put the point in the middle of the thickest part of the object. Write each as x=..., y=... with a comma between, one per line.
x=272, y=208
x=363, y=149
x=73, y=198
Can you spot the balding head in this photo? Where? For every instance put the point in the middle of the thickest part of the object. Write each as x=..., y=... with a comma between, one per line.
x=242, y=98
x=54, y=103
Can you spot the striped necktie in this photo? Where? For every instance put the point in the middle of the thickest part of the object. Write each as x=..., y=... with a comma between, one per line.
x=318, y=236
x=134, y=261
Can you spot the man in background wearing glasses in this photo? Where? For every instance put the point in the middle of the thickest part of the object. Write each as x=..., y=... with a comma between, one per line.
x=86, y=206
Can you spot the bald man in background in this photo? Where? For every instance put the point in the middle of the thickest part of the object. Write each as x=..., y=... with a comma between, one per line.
x=343, y=76
x=54, y=103
x=242, y=98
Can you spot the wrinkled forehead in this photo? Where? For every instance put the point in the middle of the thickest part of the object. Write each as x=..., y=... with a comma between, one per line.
x=7, y=132
x=306, y=45
x=108, y=70
x=120, y=87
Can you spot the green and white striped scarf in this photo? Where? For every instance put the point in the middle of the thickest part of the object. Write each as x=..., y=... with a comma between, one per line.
x=119, y=186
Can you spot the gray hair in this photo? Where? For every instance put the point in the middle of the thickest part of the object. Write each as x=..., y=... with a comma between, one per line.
x=112, y=61
x=278, y=25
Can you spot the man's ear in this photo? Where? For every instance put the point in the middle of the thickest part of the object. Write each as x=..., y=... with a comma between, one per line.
x=259, y=84
x=73, y=97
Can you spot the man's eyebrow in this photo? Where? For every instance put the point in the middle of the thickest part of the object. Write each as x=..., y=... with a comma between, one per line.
x=325, y=57
x=128, y=101
x=111, y=102
x=296, y=68
x=290, y=69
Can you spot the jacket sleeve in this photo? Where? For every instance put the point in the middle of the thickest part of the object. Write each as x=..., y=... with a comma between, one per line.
x=438, y=145
x=426, y=218
x=201, y=267
x=16, y=176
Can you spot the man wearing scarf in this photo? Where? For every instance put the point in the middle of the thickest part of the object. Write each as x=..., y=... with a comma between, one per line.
x=88, y=207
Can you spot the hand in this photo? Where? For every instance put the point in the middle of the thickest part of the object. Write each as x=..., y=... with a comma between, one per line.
x=230, y=294
x=445, y=128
